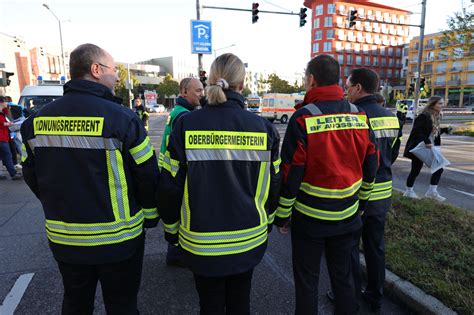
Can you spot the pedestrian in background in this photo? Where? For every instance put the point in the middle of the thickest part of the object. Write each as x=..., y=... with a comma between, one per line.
x=224, y=162
x=5, y=150
x=427, y=129
x=191, y=92
x=17, y=114
x=329, y=162
x=90, y=163
x=141, y=112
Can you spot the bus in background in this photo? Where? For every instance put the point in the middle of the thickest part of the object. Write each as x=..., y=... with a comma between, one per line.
x=278, y=106
x=254, y=105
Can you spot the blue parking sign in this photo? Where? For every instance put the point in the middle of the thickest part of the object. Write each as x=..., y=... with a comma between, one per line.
x=201, y=39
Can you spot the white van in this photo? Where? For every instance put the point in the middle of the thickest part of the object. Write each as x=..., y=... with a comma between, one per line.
x=33, y=97
x=278, y=106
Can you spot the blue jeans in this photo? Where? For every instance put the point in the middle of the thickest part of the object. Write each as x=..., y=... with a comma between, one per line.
x=6, y=156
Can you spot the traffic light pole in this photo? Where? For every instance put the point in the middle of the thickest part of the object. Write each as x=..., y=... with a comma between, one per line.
x=420, y=56
x=248, y=10
x=198, y=13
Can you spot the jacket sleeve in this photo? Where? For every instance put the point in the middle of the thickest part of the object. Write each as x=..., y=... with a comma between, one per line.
x=369, y=171
x=172, y=183
x=144, y=168
x=293, y=161
x=396, y=144
x=423, y=126
x=28, y=163
x=275, y=178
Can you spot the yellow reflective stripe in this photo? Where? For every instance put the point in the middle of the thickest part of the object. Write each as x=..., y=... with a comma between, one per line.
x=205, y=139
x=150, y=213
x=276, y=165
x=271, y=217
x=123, y=184
x=142, y=152
x=24, y=153
x=112, y=190
x=185, y=210
x=283, y=212
x=331, y=193
x=366, y=185
x=169, y=164
x=117, y=184
x=380, y=195
x=323, y=123
x=388, y=122
x=286, y=202
x=220, y=237
x=261, y=193
x=93, y=228
x=325, y=214
x=222, y=249
x=171, y=228
x=96, y=240
x=74, y=126
x=382, y=186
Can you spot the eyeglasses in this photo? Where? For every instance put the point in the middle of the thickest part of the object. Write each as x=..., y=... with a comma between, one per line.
x=115, y=69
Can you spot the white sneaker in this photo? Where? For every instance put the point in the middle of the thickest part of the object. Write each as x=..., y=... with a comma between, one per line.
x=434, y=195
x=18, y=166
x=410, y=194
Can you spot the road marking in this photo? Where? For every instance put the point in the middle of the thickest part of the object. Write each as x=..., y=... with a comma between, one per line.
x=462, y=192
x=446, y=168
x=16, y=293
x=457, y=141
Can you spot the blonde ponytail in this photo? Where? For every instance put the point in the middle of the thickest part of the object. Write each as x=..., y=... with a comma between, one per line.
x=227, y=73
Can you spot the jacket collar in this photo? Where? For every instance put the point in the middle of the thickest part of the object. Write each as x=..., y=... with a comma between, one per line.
x=181, y=101
x=92, y=88
x=369, y=99
x=234, y=98
x=323, y=93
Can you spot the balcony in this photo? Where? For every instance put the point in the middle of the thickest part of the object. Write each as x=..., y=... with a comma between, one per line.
x=342, y=12
x=439, y=83
x=441, y=71
x=429, y=46
x=428, y=71
x=468, y=82
x=429, y=58
x=368, y=28
x=454, y=82
x=442, y=57
x=455, y=69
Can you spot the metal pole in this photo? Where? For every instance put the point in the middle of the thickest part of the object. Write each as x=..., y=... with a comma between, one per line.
x=129, y=83
x=62, y=49
x=420, y=56
x=198, y=14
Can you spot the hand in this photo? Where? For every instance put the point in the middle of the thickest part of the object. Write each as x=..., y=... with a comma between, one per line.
x=429, y=145
x=285, y=229
x=8, y=124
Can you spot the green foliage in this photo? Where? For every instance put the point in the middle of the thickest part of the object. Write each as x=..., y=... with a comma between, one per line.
x=432, y=245
x=460, y=30
x=121, y=88
x=168, y=87
x=246, y=91
x=278, y=85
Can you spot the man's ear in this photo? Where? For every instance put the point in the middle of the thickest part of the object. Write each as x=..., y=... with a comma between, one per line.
x=95, y=71
x=312, y=81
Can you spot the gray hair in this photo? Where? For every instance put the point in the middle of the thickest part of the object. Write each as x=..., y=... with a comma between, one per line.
x=82, y=58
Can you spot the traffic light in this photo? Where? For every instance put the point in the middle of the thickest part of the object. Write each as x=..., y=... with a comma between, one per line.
x=41, y=50
x=422, y=84
x=203, y=78
x=254, y=12
x=5, y=77
x=411, y=89
x=353, y=16
x=303, y=16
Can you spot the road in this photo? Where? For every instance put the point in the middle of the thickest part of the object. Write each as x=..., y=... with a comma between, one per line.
x=31, y=284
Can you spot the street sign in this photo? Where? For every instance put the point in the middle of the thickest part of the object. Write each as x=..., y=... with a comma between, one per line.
x=201, y=37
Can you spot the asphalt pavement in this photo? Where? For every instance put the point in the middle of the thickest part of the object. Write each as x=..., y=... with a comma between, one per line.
x=24, y=254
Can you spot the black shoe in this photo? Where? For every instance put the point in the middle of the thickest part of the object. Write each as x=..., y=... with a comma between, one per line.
x=330, y=296
x=374, y=305
x=17, y=177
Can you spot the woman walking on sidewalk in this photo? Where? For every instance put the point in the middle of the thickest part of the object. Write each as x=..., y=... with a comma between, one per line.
x=426, y=128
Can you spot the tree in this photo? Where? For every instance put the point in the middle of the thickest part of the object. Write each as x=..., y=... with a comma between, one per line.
x=278, y=85
x=167, y=88
x=246, y=91
x=460, y=30
x=121, y=85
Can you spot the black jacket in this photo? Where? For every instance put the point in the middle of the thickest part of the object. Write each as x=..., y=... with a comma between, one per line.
x=90, y=163
x=219, y=187
x=421, y=131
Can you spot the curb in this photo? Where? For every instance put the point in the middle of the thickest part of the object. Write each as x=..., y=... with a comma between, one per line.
x=411, y=296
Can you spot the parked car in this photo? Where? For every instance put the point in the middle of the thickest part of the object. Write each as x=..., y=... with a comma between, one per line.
x=156, y=108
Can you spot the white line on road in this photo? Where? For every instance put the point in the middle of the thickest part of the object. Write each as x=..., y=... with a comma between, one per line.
x=16, y=293
x=462, y=192
x=446, y=168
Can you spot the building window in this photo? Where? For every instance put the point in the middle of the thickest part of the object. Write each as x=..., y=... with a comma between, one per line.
x=328, y=21
x=316, y=23
x=331, y=8
x=342, y=9
x=376, y=62
x=367, y=61
x=319, y=10
x=346, y=71
x=349, y=59
x=348, y=47
x=327, y=46
x=339, y=22
x=330, y=34
x=383, y=62
x=341, y=35
x=374, y=50
x=318, y=35
x=338, y=46
x=366, y=49
x=382, y=51
x=315, y=48
x=390, y=62
x=340, y=59
x=358, y=60
x=357, y=48
x=390, y=51
x=399, y=52
x=389, y=73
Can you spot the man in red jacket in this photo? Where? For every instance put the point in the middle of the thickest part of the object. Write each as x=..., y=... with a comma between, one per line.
x=5, y=153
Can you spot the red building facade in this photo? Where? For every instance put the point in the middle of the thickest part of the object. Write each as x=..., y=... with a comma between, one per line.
x=371, y=43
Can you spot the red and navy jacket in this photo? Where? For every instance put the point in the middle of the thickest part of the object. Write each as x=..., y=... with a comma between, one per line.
x=329, y=161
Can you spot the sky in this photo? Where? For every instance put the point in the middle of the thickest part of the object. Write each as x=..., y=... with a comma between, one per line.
x=143, y=29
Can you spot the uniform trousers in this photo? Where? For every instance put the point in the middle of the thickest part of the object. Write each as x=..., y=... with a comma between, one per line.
x=120, y=282
x=306, y=267
x=224, y=295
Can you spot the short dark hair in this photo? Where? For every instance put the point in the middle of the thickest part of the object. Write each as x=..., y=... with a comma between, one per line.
x=325, y=70
x=379, y=98
x=8, y=98
x=82, y=58
x=2, y=99
x=367, y=78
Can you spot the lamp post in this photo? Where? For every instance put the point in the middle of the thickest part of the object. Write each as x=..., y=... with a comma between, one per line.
x=60, y=38
x=215, y=50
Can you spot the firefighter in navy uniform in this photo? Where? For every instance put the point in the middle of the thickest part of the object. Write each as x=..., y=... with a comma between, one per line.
x=141, y=112
x=329, y=158
x=90, y=163
x=362, y=84
x=219, y=190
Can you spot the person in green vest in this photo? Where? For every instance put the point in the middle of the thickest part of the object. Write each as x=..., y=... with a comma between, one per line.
x=191, y=93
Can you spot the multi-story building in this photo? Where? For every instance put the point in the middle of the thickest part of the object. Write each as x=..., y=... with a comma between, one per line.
x=376, y=41
x=145, y=74
x=448, y=70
